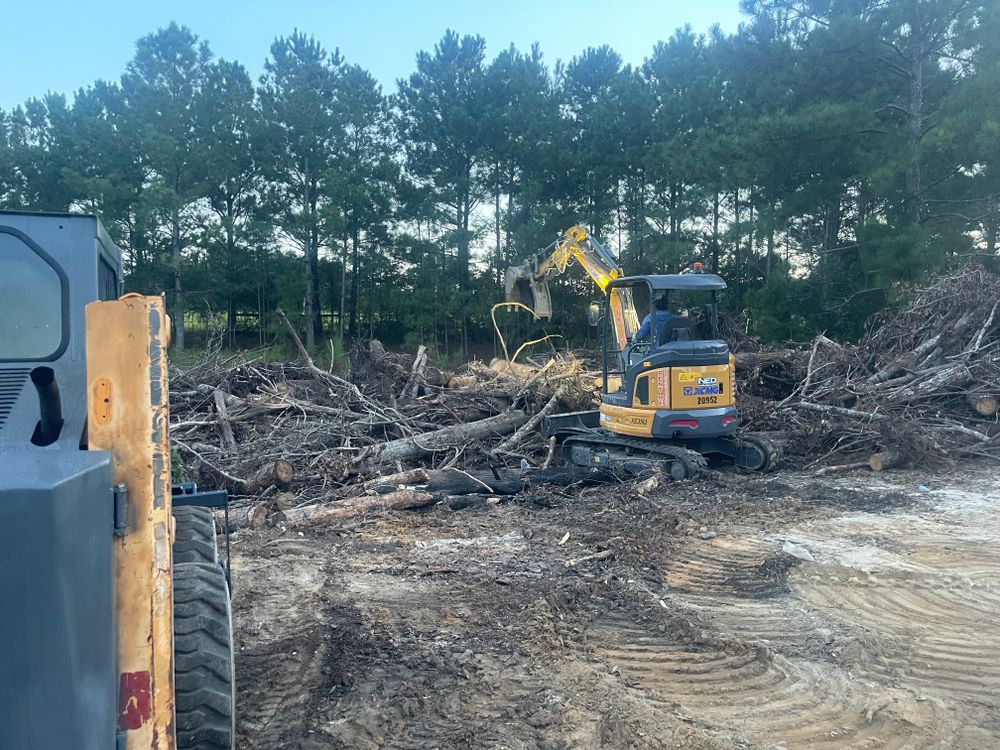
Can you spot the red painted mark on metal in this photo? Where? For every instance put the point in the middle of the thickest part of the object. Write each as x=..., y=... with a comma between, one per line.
x=135, y=703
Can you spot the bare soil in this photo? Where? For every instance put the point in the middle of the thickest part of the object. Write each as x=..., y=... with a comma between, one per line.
x=677, y=617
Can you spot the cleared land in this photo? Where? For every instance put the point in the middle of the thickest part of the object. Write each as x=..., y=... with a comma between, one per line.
x=680, y=615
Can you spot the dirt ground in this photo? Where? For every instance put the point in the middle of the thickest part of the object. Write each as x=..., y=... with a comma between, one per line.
x=782, y=611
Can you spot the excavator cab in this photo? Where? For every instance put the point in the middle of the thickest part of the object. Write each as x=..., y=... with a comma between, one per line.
x=667, y=400
x=115, y=632
x=676, y=379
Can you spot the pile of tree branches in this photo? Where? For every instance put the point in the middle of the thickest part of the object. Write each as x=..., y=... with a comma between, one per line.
x=299, y=442
x=922, y=385
x=285, y=436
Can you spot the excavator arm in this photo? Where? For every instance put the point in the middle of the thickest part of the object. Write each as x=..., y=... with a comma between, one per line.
x=528, y=282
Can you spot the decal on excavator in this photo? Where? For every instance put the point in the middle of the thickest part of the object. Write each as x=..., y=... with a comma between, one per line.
x=701, y=390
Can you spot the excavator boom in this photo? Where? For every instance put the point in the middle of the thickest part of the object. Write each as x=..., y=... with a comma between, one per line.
x=527, y=283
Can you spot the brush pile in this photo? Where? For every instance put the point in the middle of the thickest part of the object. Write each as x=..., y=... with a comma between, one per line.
x=921, y=386
x=295, y=434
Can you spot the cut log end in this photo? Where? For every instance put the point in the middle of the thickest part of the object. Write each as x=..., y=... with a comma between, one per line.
x=985, y=406
x=885, y=460
x=463, y=381
x=278, y=473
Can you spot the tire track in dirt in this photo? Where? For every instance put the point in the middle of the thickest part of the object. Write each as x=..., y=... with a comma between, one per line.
x=764, y=696
x=922, y=588
x=737, y=585
x=724, y=565
x=279, y=610
x=948, y=629
x=775, y=622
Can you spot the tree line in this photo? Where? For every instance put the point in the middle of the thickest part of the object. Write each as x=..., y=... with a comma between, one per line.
x=819, y=157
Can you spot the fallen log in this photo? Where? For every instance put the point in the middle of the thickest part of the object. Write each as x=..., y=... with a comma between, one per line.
x=355, y=506
x=843, y=411
x=449, y=437
x=388, y=482
x=279, y=473
x=931, y=383
x=985, y=406
x=909, y=361
x=416, y=379
x=567, y=475
x=461, y=502
x=524, y=430
x=245, y=517
x=889, y=459
x=458, y=482
x=512, y=368
x=463, y=381
x=226, y=429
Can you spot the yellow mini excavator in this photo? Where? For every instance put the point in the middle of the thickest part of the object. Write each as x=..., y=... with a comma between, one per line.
x=668, y=386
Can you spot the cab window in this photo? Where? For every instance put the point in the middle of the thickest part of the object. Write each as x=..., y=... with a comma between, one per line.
x=30, y=303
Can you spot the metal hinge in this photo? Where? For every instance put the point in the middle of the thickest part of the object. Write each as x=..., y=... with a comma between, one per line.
x=121, y=508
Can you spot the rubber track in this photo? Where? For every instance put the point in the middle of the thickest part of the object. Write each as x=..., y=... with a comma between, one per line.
x=203, y=658
x=693, y=461
x=194, y=535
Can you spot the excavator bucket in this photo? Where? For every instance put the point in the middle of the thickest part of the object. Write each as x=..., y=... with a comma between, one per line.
x=521, y=286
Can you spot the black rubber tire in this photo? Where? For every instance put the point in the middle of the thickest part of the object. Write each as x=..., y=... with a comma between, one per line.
x=194, y=535
x=204, y=678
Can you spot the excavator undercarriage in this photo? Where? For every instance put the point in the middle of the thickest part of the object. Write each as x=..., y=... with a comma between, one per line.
x=583, y=443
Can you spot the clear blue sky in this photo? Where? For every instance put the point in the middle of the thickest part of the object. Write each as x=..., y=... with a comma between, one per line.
x=61, y=45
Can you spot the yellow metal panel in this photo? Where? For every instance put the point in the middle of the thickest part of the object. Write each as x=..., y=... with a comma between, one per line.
x=732, y=377
x=701, y=387
x=625, y=421
x=657, y=388
x=127, y=415
x=619, y=305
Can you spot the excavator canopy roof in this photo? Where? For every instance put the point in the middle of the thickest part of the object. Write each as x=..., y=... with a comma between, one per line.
x=675, y=281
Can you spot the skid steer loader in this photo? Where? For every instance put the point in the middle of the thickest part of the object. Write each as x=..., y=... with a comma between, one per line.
x=115, y=620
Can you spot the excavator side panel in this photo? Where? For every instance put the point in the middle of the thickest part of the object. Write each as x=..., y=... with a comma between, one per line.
x=705, y=387
x=127, y=416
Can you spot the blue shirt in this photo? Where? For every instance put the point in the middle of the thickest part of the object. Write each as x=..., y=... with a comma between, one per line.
x=662, y=316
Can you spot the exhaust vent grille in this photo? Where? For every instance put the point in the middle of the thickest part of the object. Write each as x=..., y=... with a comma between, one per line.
x=11, y=384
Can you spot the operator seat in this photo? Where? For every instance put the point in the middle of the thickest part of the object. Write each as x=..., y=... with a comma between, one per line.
x=675, y=329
